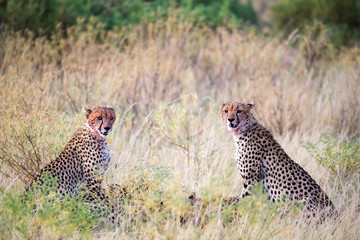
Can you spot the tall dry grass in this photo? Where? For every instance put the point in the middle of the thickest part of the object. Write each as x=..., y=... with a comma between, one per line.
x=167, y=82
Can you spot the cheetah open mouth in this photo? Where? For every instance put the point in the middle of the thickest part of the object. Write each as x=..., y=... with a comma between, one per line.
x=104, y=134
x=233, y=127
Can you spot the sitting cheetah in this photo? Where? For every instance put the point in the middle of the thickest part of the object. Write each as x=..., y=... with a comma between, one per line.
x=260, y=158
x=85, y=158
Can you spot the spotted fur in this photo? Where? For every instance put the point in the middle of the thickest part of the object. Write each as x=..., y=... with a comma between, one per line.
x=260, y=158
x=85, y=158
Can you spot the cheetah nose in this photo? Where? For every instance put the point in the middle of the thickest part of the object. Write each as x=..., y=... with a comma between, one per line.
x=107, y=128
x=231, y=119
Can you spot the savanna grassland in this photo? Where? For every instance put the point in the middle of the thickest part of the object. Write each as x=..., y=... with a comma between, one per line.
x=167, y=81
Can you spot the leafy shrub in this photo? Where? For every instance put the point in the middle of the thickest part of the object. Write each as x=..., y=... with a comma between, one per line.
x=30, y=143
x=44, y=214
x=221, y=12
x=341, y=17
x=339, y=157
x=153, y=199
x=182, y=126
x=44, y=15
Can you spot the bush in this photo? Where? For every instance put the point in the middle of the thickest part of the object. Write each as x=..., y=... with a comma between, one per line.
x=44, y=214
x=221, y=12
x=43, y=16
x=340, y=158
x=152, y=200
x=30, y=142
x=181, y=126
x=341, y=17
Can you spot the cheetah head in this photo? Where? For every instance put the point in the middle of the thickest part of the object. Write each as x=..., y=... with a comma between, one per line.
x=237, y=116
x=100, y=120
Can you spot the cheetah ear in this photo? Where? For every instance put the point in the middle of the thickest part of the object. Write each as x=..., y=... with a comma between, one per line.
x=223, y=105
x=110, y=107
x=250, y=105
x=87, y=112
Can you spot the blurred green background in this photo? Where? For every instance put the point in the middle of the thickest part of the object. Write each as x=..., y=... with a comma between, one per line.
x=340, y=19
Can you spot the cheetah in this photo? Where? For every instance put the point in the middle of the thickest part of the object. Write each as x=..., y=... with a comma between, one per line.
x=260, y=158
x=85, y=158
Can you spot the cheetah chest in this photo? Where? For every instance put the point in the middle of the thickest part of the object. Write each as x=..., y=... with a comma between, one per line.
x=106, y=158
x=245, y=156
x=99, y=156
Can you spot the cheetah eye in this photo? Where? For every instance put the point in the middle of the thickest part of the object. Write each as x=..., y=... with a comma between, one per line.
x=225, y=111
x=238, y=111
x=99, y=118
x=111, y=118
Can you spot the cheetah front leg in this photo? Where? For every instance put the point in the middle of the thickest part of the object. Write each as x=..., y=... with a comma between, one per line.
x=93, y=183
x=246, y=191
x=97, y=195
x=250, y=174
